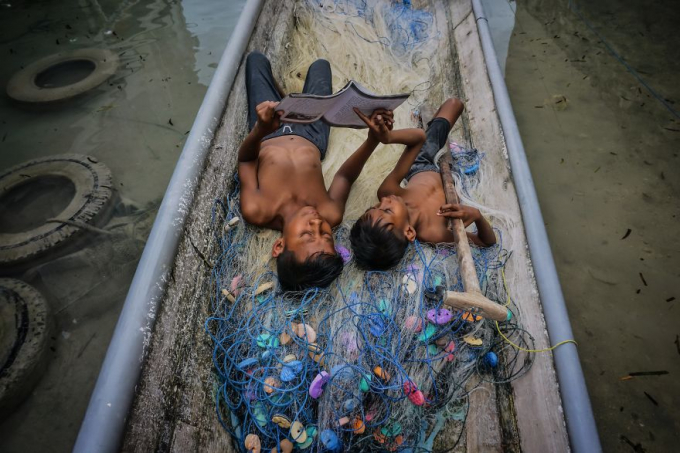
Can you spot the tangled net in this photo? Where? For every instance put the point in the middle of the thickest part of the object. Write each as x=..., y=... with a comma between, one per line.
x=395, y=359
x=375, y=362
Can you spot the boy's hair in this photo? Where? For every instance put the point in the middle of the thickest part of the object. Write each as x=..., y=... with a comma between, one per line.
x=374, y=246
x=319, y=270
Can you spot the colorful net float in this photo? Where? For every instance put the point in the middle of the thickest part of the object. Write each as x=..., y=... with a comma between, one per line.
x=253, y=444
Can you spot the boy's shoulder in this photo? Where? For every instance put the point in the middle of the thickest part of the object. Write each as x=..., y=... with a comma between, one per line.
x=331, y=212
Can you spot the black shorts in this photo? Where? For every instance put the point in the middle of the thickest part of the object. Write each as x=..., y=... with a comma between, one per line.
x=260, y=87
x=437, y=136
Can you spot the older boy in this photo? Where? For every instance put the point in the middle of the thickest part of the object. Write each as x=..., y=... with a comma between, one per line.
x=282, y=186
x=380, y=237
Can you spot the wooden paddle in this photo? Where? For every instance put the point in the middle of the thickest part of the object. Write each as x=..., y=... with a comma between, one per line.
x=472, y=299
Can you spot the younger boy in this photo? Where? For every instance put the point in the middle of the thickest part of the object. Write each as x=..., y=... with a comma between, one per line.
x=282, y=186
x=380, y=237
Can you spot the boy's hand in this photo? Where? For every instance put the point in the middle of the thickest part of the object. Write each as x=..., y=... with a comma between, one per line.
x=380, y=124
x=467, y=214
x=268, y=119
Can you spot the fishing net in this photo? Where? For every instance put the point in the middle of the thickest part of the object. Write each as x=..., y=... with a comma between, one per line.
x=375, y=362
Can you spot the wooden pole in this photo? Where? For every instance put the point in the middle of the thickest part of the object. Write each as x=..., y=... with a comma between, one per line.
x=482, y=428
x=467, y=266
x=472, y=299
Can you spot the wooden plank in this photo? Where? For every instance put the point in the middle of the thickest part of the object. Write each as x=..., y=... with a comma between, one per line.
x=482, y=426
x=536, y=398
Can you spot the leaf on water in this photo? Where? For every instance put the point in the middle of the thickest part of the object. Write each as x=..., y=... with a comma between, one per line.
x=104, y=108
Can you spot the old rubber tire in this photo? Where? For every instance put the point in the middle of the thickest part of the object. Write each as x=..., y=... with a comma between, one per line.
x=92, y=200
x=24, y=88
x=24, y=336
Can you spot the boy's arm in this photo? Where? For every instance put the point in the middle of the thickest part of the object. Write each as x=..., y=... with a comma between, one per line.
x=380, y=120
x=413, y=139
x=485, y=236
x=252, y=203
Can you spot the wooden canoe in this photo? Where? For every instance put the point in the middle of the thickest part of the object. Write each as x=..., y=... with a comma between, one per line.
x=174, y=409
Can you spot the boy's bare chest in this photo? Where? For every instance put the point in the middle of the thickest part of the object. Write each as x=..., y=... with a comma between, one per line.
x=286, y=174
x=427, y=197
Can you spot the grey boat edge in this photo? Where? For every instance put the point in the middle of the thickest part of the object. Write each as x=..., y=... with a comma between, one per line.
x=104, y=422
x=577, y=409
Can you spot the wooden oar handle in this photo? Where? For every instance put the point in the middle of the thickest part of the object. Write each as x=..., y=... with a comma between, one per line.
x=477, y=304
x=465, y=261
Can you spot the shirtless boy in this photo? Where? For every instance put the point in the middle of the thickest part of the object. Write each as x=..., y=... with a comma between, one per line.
x=380, y=237
x=282, y=186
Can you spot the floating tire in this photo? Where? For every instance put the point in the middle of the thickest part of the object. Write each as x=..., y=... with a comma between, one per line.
x=62, y=76
x=92, y=201
x=24, y=336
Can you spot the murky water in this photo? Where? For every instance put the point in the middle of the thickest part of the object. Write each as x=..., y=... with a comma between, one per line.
x=603, y=151
x=135, y=123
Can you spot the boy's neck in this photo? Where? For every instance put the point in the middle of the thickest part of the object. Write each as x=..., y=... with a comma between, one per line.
x=288, y=211
x=413, y=216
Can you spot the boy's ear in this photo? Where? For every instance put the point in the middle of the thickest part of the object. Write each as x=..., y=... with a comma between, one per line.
x=410, y=233
x=278, y=247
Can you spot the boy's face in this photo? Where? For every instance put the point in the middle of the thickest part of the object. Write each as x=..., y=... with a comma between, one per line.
x=391, y=212
x=305, y=235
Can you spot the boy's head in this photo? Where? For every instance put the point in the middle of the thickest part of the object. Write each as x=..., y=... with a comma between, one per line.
x=305, y=253
x=380, y=237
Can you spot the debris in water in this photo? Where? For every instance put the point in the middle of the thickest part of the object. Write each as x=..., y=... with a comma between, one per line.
x=677, y=343
x=627, y=234
x=637, y=448
x=642, y=277
x=170, y=122
x=559, y=101
x=656, y=403
x=104, y=108
x=647, y=373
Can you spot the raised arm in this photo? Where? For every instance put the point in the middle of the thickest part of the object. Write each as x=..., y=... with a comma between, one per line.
x=380, y=122
x=413, y=139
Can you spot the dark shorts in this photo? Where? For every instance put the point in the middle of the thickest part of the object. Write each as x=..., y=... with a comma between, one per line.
x=260, y=87
x=437, y=136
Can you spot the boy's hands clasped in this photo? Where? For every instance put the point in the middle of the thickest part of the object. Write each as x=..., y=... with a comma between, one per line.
x=380, y=124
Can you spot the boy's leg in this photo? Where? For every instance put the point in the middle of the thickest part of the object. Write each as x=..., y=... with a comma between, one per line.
x=318, y=81
x=437, y=135
x=260, y=84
